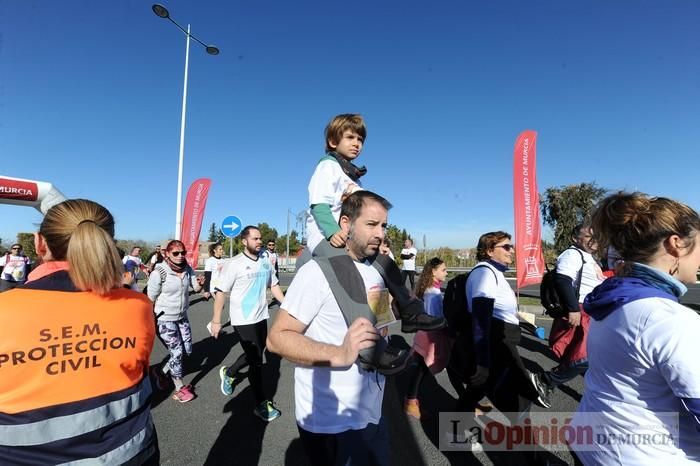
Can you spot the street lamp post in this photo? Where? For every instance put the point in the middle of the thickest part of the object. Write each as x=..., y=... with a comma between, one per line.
x=162, y=12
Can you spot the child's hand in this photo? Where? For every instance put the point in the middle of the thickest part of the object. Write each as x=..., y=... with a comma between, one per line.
x=338, y=239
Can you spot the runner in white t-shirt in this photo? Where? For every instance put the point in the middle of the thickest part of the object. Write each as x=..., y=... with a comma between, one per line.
x=338, y=404
x=569, y=334
x=212, y=268
x=247, y=277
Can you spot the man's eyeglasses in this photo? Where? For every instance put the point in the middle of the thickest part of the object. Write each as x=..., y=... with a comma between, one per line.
x=507, y=247
x=178, y=253
x=16, y=249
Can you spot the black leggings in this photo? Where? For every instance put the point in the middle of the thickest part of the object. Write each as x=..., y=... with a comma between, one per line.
x=508, y=376
x=417, y=379
x=411, y=278
x=252, y=339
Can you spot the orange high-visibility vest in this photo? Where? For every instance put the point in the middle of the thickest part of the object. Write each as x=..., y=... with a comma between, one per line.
x=73, y=374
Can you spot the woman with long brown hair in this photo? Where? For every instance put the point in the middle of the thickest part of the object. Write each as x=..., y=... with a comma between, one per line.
x=431, y=350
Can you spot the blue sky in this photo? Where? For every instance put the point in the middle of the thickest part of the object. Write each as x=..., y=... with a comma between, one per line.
x=90, y=100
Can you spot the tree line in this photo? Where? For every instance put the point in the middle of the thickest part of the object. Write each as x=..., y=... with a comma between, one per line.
x=562, y=208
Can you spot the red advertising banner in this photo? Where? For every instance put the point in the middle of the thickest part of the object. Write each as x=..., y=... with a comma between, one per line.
x=529, y=261
x=18, y=190
x=193, y=216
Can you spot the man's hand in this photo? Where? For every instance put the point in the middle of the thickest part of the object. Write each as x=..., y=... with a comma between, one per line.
x=338, y=239
x=361, y=334
x=480, y=376
x=206, y=295
x=574, y=319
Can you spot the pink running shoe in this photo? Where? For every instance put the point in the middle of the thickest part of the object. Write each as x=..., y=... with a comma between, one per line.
x=185, y=394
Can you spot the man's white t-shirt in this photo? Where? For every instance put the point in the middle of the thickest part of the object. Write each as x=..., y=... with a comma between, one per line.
x=643, y=358
x=409, y=264
x=489, y=282
x=135, y=259
x=569, y=263
x=213, y=265
x=328, y=185
x=331, y=400
x=247, y=280
x=14, y=268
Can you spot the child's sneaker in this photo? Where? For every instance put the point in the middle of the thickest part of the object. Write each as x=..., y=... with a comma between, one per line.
x=184, y=395
x=267, y=411
x=413, y=322
x=226, y=382
x=390, y=362
x=161, y=380
x=412, y=407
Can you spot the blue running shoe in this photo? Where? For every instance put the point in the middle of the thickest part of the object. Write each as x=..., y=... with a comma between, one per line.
x=266, y=411
x=226, y=382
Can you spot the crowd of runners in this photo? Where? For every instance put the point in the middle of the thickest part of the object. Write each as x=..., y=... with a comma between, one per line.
x=81, y=308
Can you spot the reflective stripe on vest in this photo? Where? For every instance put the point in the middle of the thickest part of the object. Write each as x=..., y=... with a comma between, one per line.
x=57, y=428
x=125, y=452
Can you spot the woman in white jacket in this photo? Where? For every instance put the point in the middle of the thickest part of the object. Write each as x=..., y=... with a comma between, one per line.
x=168, y=288
x=642, y=400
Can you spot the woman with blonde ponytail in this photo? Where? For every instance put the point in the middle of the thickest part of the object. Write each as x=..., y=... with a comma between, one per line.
x=75, y=349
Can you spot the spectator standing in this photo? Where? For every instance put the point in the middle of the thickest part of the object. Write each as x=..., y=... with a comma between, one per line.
x=15, y=268
x=408, y=269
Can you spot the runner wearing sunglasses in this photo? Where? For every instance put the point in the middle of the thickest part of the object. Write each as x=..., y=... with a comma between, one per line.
x=168, y=288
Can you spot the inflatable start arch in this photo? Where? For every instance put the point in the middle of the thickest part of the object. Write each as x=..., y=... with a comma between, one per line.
x=38, y=194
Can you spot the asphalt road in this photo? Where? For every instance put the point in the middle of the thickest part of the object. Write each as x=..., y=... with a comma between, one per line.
x=215, y=429
x=218, y=430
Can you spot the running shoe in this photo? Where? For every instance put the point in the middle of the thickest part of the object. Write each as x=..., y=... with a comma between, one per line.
x=544, y=392
x=267, y=411
x=185, y=394
x=226, y=382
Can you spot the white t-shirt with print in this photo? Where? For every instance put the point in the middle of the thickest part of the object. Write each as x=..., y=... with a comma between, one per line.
x=331, y=400
x=569, y=263
x=409, y=264
x=328, y=185
x=14, y=267
x=247, y=280
x=489, y=282
x=643, y=358
x=213, y=265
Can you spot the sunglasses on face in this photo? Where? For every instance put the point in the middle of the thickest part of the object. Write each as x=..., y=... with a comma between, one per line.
x=507, y=247
x=16, y=249
x=178, y=253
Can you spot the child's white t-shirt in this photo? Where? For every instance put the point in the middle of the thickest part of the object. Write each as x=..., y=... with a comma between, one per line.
x=328, y=185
